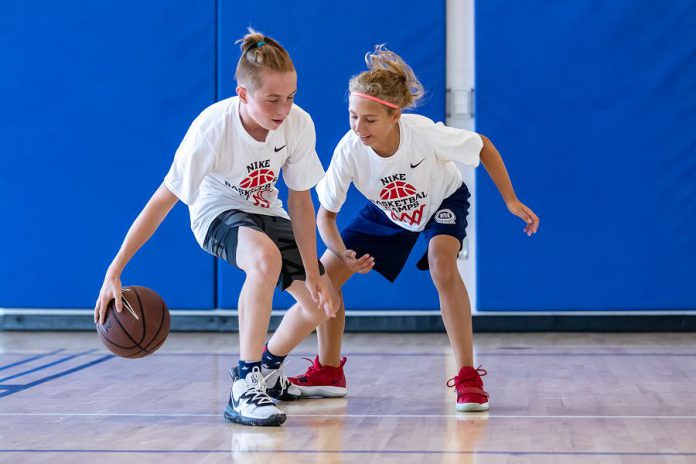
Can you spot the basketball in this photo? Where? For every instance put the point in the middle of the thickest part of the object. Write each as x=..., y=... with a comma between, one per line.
x=397, y=189
x=256, y=178
x=140, y=328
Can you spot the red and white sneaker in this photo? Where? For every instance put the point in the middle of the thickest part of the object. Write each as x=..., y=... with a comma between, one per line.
x=470, y=394
x=322, y=381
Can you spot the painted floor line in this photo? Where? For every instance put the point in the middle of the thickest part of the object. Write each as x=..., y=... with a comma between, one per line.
x=361, y=416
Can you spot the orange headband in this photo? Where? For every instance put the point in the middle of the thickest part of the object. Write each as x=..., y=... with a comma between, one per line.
x=375, y=99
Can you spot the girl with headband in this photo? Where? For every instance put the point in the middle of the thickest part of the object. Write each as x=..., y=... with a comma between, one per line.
x=404, y=164
x=225, y=170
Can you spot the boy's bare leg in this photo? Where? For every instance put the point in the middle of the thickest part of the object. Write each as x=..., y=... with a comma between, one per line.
x=260, y=259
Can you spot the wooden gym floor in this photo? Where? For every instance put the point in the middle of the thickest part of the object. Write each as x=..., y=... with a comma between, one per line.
x=555, y=398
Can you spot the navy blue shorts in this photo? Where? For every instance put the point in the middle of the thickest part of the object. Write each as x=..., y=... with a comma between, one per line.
x=373, y=233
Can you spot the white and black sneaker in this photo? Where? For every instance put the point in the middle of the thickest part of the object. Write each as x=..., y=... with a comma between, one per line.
x=278, y=386
x=249, y=403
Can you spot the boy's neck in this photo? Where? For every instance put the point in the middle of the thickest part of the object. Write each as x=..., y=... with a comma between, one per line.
x=252, y=127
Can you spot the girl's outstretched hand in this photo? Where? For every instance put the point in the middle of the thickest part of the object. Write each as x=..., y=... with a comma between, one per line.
x=520, y=210
x=361, y=265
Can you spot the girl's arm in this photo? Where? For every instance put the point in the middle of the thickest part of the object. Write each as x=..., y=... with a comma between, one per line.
x=147, y=222
x=301, y=211
x=493, y=162
x=328, y=229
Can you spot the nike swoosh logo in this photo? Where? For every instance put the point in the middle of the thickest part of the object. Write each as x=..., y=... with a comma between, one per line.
x=278, y=149
x=416, y=165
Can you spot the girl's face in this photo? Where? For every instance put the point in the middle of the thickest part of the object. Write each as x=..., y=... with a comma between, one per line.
x=270, y=104
x=373, y=122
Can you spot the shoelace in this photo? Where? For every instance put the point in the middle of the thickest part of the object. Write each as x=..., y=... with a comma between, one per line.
x=461, y=379
x=257, y=394
x=284, y=382
x=311, y=370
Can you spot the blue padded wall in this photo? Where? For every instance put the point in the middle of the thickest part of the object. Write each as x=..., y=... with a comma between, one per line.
x=592, y=105
x=95, y=97
x=327, y=41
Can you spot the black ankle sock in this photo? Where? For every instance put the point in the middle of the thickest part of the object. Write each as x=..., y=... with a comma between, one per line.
x=271, y=361
x=246, y=367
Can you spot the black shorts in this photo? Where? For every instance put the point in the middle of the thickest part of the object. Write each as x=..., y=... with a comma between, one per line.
x=372, y=232
x=221, y=241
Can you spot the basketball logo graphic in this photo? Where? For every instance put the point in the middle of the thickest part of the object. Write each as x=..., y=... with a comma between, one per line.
x=257, y=183
x=400, y=191
x=256, y=178
x=397, y=189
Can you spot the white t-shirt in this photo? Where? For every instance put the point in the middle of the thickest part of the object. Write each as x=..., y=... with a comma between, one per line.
x=219, y=166
x=410, y=185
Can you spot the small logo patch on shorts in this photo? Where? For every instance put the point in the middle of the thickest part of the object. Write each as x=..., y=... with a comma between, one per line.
x=445, y=216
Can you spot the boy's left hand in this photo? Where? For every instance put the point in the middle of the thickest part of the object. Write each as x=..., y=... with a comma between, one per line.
x=520, y=210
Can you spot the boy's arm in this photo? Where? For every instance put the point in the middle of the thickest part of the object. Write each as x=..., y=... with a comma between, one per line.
x=301, y=211
x=147, y=222
x=493, y=162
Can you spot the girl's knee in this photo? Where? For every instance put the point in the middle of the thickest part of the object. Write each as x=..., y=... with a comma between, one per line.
x=443, y=270
x=316, y=314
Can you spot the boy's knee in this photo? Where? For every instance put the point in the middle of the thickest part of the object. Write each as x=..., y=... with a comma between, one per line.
x=267, y=263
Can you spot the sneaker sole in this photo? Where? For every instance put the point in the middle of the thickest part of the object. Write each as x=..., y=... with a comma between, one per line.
x=271, y=421
x=472, y=407
x=323, y=391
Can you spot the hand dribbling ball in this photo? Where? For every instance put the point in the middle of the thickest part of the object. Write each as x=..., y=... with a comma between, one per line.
x=140, y=328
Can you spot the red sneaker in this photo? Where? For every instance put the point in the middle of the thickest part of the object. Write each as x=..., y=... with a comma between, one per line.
x=470, y=394
x=322, y=381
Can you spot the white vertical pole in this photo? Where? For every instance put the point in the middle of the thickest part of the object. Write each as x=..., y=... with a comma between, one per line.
x=460, y=113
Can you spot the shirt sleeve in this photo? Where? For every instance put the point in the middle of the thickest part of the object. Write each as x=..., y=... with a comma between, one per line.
x=194, y=159
x=458, y=145
x=333, y=188
x=302, y=169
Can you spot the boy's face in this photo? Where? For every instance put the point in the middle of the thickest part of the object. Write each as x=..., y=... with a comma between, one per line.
x=271, y=102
